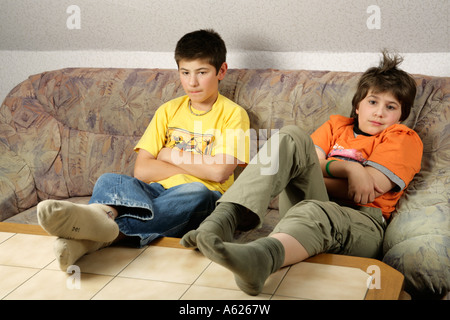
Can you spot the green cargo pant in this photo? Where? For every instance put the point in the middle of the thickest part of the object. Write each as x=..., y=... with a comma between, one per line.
x=287, y=165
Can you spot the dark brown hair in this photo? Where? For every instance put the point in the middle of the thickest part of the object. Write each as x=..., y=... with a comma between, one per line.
x=202, y=44
x=387, y=78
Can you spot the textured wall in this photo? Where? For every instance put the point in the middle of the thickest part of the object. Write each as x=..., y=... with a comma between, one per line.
x=259, y=25
x=338, y=35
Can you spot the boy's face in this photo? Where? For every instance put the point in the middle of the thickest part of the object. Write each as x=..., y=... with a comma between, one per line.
x=378, y=111
x=200, y=81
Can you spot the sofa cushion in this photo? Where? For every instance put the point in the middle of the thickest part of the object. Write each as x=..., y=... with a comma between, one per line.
x=29, y=216
x=277, y=98
x=418, y=236
x=417, y=244
x=17, y=191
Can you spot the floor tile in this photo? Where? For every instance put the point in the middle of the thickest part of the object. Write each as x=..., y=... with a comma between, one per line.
x=167, y=264
x=24, y=250
x=108, y=261
x=219, y=277
x=12, y=277
x=138, y=289
x=5, y=235
x=324, y=282
x=28, y=270
x=196, y=292
x=57, y=285
x=275, y=297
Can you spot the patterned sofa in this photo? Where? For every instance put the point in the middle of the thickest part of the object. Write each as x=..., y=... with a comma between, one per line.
x=60, y=130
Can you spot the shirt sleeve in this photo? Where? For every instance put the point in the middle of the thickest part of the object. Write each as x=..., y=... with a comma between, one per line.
x=322, y=137
x=398, y=156
x=235, y=136
x=325, y=136
x=154, y=137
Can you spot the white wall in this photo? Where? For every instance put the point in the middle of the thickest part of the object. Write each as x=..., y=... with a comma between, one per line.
x=340, y=35
x=253, y=25
x=16, y=66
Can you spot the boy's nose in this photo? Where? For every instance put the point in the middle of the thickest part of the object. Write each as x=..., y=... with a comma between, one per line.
x=193, y=81
x=378, y=112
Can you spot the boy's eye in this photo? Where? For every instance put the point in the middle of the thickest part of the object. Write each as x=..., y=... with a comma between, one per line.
x=372, y=101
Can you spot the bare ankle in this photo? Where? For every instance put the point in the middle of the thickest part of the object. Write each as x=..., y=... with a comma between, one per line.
x=110, y=211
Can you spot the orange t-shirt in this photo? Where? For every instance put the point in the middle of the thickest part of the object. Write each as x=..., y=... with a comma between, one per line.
x=396, y=152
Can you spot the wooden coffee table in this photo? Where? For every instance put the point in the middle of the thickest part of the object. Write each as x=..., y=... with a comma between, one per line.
x=391, y=281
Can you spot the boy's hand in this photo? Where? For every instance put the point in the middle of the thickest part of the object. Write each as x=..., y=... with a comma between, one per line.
x=362, y=186
x=354, y=182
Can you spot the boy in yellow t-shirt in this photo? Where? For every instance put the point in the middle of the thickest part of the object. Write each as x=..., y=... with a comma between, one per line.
x=185, y=162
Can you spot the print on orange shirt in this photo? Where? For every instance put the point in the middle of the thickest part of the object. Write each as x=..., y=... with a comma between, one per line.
x=346, y=154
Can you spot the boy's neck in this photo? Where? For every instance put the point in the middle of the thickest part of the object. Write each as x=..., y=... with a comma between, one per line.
x=203, y=110
x=205, y=106
x=358, y=131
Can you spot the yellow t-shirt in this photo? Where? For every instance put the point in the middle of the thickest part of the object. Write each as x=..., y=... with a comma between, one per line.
x=224, y=129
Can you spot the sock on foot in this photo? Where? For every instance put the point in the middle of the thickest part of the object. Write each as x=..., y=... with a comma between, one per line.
x=68, y=220
x=222, y=222
x=252, y=263
x=68, y=251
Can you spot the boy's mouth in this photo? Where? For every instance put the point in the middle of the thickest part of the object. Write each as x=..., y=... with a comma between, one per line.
x=375, y=123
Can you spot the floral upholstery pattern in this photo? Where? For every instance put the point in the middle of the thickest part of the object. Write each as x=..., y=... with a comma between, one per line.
x=60, y=130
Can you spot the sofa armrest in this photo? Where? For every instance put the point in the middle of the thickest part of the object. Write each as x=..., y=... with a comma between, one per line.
x=17, y=188
x=416, y=243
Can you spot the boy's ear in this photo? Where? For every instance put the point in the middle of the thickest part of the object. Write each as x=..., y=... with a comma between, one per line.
x=222, y=71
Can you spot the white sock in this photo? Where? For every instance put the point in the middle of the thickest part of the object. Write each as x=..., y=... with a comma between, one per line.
x=68, y=220
x=68, y=251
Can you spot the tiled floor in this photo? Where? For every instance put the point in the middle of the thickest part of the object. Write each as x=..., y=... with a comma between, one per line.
x=28, y=270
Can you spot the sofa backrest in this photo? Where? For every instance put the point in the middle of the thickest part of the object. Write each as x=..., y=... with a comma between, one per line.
x=70, y=126
x=67, y=127
x=275, y=98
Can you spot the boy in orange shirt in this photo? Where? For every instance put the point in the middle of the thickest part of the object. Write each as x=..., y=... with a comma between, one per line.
x=337, y=187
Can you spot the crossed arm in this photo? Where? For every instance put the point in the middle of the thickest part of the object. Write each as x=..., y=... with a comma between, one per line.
x=358, y=183
x=170, y=162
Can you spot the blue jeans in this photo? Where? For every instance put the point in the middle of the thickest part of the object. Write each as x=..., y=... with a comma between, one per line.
x=148, y=211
